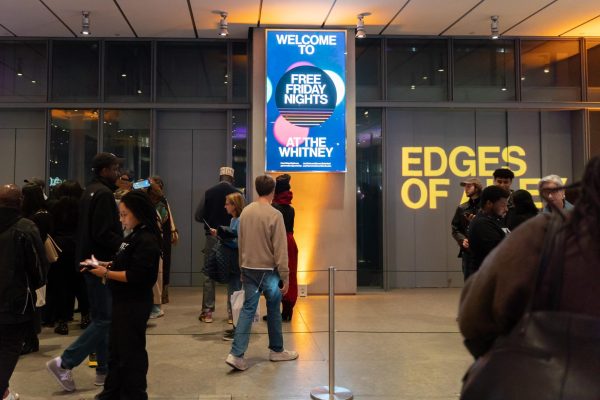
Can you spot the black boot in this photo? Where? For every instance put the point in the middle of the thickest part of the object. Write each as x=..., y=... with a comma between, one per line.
x=31, y=345
x=85, y=321
x=62, y=328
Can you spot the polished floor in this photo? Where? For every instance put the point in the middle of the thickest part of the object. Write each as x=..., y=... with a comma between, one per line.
x=402, y=344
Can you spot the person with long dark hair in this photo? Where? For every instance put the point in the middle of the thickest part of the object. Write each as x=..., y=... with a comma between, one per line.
x=495, y=298
x=34, y=209
x=283, y=202
x=130, y=276
x=63, y=279
x=524, y=208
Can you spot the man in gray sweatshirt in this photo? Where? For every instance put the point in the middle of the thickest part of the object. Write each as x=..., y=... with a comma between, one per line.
x=264, y=265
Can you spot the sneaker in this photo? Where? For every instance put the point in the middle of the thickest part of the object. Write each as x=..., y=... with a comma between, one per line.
x=157, y=314
x=63, y=376
x=285, y=355
x=12, y=396
x=92, y=361
x=229, y=335
x=236, y=362
x=206, y=316
x=100, y=378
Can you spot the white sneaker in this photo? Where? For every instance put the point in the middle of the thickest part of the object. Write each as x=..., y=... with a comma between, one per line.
x=285, y=355
x=158, y=314
x=12, y=396
x=62, y=376
x=100, y=379
x=236, y=362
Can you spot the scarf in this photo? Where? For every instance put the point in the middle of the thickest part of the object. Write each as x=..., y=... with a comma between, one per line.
x=283, y=197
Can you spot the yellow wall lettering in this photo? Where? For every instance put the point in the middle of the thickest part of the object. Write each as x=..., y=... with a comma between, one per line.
x=407, y=161
x=434, y=192
x=471, y=164
x=428, y=159
x=507, y=155
x=484, y=160
x=404, y=193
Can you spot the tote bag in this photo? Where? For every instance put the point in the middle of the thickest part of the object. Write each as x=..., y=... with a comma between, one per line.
x=237, y=303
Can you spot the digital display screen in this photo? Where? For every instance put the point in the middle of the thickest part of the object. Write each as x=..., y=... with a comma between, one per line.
x=306, y=101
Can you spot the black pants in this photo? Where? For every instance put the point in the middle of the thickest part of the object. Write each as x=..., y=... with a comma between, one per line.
x=11, y=342
x=60, y=295
x=127, y=359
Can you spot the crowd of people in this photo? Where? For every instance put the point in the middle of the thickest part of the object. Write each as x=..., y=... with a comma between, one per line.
x=107, y=247
x=491, y=213
x=105, y=251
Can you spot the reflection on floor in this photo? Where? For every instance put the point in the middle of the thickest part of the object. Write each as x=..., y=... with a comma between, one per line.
x=402, y=344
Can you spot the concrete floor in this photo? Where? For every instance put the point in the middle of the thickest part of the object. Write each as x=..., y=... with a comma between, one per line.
x=402, y=344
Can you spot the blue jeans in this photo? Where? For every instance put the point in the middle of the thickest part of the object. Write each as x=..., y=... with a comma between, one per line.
x=255, y=282
x=94, y=338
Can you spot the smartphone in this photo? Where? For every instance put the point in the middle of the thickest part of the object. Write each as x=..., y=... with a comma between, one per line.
x=206, y=223
x=141, y=184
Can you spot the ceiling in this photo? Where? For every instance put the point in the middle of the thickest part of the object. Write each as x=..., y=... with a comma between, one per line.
x=200, y=19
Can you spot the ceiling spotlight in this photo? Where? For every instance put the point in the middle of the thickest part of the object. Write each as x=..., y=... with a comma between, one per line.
x=223, y=31
x=360, y=25
x=495, y=31
x=85, y=23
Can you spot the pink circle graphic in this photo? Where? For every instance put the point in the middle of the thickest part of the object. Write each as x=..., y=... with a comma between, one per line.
x=299, y=64
x=283, y=131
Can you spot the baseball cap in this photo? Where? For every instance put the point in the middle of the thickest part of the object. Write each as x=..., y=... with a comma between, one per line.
x=103, y=160
x=473, y=181
x=226, y=171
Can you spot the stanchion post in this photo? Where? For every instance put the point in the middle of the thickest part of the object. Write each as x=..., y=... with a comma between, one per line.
x=331, y=392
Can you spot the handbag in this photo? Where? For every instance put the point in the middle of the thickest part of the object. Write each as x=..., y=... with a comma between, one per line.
x=218, y=262
x=174, y=231
x=549, y=354
x=237, y=303
x=52, y=250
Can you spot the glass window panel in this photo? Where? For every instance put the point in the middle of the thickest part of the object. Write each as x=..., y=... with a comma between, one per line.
x=369, y=197
x=73, y=144
x=368, y=69
x=23, y=71
x=239, y=140
x=127, y=71
x=191, y=71
x=417, y=70
x=126, y=133
x=593, y=68
x=240, y=72
x=484, y=70
x=75, y=70
x=594, y=133
x=550, y=70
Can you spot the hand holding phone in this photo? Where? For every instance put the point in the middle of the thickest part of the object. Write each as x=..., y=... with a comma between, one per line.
x=142, y=184
x=89, y=264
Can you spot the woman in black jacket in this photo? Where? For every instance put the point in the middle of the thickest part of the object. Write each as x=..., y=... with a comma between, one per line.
x=131, y=276
x=34, y=209
x=64, y=282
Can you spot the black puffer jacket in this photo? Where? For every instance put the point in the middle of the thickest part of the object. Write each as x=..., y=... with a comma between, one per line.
x=23, y=266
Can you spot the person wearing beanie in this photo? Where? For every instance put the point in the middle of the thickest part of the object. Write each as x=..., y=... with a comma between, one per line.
x=283, y=202
x=212, y=214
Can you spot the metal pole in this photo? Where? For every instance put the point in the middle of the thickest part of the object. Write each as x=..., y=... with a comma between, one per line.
x=331, y=331
x=331, y=392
